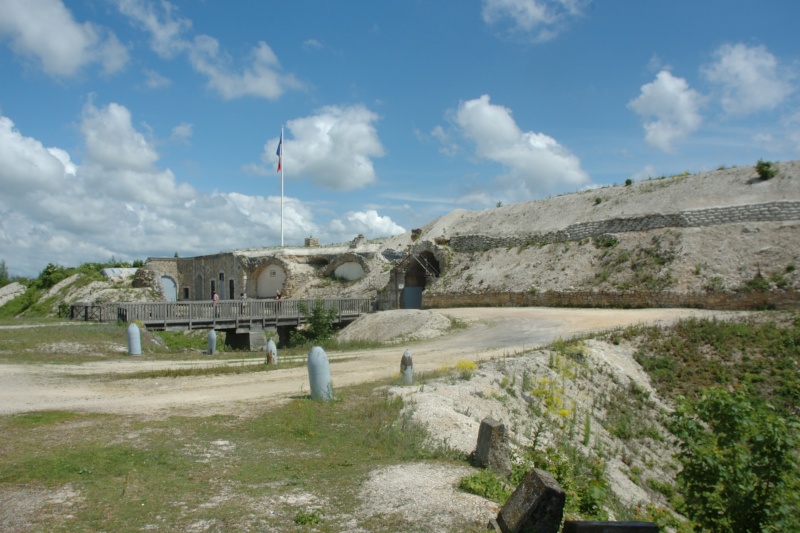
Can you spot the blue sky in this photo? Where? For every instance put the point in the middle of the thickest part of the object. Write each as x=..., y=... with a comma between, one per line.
x=139, y=128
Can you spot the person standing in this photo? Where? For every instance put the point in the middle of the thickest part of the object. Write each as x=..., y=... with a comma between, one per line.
x=215, y=297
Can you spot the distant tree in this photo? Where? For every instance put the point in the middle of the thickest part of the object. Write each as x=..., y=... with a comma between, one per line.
x=4, y=279
x=739, y=459
x=499, y=204
x=50, y=275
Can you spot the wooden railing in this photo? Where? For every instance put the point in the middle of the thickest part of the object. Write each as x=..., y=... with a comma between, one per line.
x=224, y=314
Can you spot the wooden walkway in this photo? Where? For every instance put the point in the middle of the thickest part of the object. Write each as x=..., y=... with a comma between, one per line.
x=249, y=315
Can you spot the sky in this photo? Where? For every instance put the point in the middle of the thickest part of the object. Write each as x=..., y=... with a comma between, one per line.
x=147, y=128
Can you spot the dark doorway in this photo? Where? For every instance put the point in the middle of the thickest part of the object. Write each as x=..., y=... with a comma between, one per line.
x=422, y=269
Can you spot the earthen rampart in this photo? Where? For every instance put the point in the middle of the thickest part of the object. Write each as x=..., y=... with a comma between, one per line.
x=766, y=212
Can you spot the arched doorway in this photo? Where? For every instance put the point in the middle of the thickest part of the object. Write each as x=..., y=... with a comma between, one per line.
x=169, y=288
x=421, y=269
x=270, y=280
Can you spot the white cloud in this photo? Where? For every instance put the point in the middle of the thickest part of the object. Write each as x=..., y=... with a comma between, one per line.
x=25, y=164
x=537, y=164
x=543, y=20
x=154, y=80
x=261, y=77
x=182, y=132
x=333, y=148
x=166, y=29
x=119, y=202
x=749, y=77
x=46, y=32
x=368, y=223
x=669, y=108
x=120, y=161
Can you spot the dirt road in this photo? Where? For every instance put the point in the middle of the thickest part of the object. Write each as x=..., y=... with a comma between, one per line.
x=492, y=332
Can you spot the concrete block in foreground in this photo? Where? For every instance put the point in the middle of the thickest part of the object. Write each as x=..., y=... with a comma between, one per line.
x=537, y=503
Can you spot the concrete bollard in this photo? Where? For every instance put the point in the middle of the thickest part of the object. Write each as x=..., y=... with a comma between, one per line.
x=134, y=340
x=407, y=368
x=212, y=342
x=319, y=374
x=272, y=353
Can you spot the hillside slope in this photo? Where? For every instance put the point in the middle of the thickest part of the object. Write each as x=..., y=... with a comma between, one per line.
x=714, y=257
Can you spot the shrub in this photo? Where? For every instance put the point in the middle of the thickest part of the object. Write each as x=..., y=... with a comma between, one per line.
x=319, y=323
x=765, y=170
x=740, y=470
x=628, y=182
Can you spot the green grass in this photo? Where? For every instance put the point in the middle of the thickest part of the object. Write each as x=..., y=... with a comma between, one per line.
x=759, y=355
x=228, y=472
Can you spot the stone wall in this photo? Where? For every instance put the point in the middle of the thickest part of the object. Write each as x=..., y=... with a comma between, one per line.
x=638, y=300
x=767, y=212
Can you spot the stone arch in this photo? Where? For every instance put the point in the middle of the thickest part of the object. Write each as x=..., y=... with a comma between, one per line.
x=169, y=288
x=348, y=266
x=269, y=279
x=424, y=264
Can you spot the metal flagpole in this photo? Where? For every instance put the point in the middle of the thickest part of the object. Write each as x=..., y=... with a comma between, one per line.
x=280, y=158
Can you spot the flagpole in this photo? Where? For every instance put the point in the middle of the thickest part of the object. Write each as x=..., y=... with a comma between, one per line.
x=281, y=159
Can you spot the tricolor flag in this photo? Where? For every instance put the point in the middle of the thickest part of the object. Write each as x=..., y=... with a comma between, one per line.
x=279, y=153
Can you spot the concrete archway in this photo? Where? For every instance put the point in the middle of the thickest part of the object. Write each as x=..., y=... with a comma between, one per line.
x=169, y=288
x=270, y=279
x=349, y=271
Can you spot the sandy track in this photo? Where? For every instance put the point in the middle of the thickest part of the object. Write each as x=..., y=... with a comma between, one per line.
x=492, y=332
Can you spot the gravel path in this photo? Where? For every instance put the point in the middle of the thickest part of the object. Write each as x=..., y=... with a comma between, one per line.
x=492, y=332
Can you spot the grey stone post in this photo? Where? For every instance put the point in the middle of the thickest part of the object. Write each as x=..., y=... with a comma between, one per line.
x=407, y=368
x=492, y=450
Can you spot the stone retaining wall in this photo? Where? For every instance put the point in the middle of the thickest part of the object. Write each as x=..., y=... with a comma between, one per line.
x=767, y=212
x=707, y=300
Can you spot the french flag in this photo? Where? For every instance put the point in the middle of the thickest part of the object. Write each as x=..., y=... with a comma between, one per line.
x=279, y=153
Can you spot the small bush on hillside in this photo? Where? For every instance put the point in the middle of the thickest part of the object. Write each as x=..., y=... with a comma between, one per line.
x=765, y=170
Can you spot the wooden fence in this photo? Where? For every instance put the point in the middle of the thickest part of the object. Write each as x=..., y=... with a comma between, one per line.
x=224, y=314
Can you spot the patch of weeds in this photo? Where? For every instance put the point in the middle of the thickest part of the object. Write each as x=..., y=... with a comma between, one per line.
x=308, y=518
x=779, y=280
x=466, y=369
x=582, y=478
x=662, y=487
x=758, y=283
x=715, y=284
x=486, y=484
x=605, y=241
